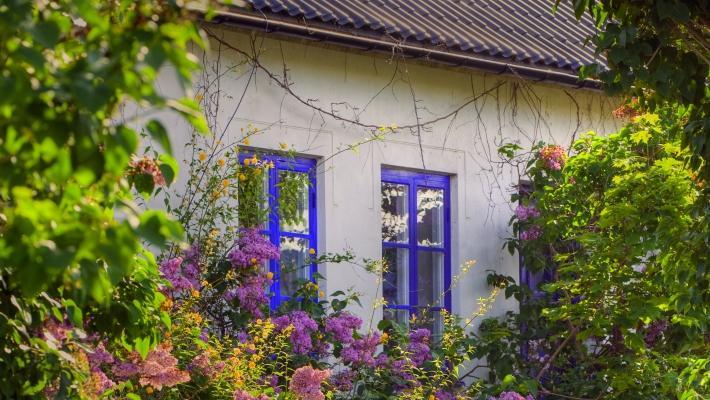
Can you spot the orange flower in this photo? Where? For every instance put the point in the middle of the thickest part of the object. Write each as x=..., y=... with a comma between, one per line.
x=202, y=155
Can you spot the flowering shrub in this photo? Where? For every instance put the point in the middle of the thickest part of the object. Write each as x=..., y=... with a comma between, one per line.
x=616, y=236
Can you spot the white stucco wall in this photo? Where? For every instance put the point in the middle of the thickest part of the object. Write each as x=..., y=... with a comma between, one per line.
x=463, y=146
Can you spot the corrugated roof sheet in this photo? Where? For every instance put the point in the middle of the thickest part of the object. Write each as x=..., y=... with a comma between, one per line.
x=519, y=31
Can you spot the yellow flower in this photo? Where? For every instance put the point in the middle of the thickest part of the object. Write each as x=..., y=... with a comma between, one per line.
x=393, y=126
x=311, y=251
x=269, y=275
x=252, y=365
x=432, y=397
x=225, y=182
x=202, y=155
x=205, y=283
x=149, y=390
x=195, y=293
x=253, y=260
x=242, y=177
x=254, y=160
x=283, y=146
x=221, y=162
x=247, y=161
x=321, y=294
x=384, y=338
x=246, y=141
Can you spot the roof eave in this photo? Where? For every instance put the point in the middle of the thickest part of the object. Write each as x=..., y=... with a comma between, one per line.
x=245, y=19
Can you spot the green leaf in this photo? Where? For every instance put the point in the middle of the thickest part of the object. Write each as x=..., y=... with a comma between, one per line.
x=46, y=33
x=168, y=167
x=190, y=110
x=142, y=346
x=157, y=132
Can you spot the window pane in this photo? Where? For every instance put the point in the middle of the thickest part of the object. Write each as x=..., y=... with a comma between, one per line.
x=395, y=282
x=394, y=212
x=253, y=199
x=293, y=201
x=430, y=278
x=295, y=264
x=430, y=217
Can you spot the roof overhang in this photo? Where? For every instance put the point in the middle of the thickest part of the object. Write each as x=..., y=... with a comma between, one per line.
x=243, y=18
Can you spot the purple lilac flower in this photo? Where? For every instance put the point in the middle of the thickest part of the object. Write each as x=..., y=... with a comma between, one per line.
x=513, y=396
x=342, y=326
x=191, y=269
x=444, y=395
x=360, y=351
x=654, y=331
x=418, y=348
x=343, y=380
x=125, y=370
x=251, y=294
x=242, y=337
x=252, y=249
x=303, y=326
x=531, y=233
x=172, y=271
x=401, y=368
x=204, y=335
x=99, y=357
x=523, y=213
x=381, y=361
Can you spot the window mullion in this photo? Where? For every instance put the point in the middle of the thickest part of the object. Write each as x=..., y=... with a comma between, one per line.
x=275, y=237
x=413, y=262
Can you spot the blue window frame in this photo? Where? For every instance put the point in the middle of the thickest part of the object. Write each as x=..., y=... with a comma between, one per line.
x=416, y=244
x=294, y=240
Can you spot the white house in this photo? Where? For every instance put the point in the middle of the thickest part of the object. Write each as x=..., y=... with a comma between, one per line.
x=400, y=106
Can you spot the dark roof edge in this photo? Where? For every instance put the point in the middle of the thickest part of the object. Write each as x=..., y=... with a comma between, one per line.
x=271, y=25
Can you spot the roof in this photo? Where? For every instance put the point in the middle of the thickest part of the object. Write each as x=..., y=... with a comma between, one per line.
x=521, y=34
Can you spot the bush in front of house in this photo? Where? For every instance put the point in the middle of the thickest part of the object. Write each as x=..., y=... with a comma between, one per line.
x=616, y=233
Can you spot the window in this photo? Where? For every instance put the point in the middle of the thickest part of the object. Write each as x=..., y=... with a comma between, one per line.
x=416, y=245
x=293, y=232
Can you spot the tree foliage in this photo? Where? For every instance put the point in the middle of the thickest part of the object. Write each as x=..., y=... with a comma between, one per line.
x=624, y=309
x=659, y=52
x=71, y=241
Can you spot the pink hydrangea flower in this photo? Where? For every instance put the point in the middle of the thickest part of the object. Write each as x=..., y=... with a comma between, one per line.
x=244, y=395
x=160, y=369
x=306, y=382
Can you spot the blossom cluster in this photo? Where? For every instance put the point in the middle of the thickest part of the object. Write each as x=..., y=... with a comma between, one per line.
x=146, y=166
x=512, y=396
x=306, y=383
x=523, y=213
x=553, y=157
x=251, y=249
x=532, y=233
x=303, y=327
